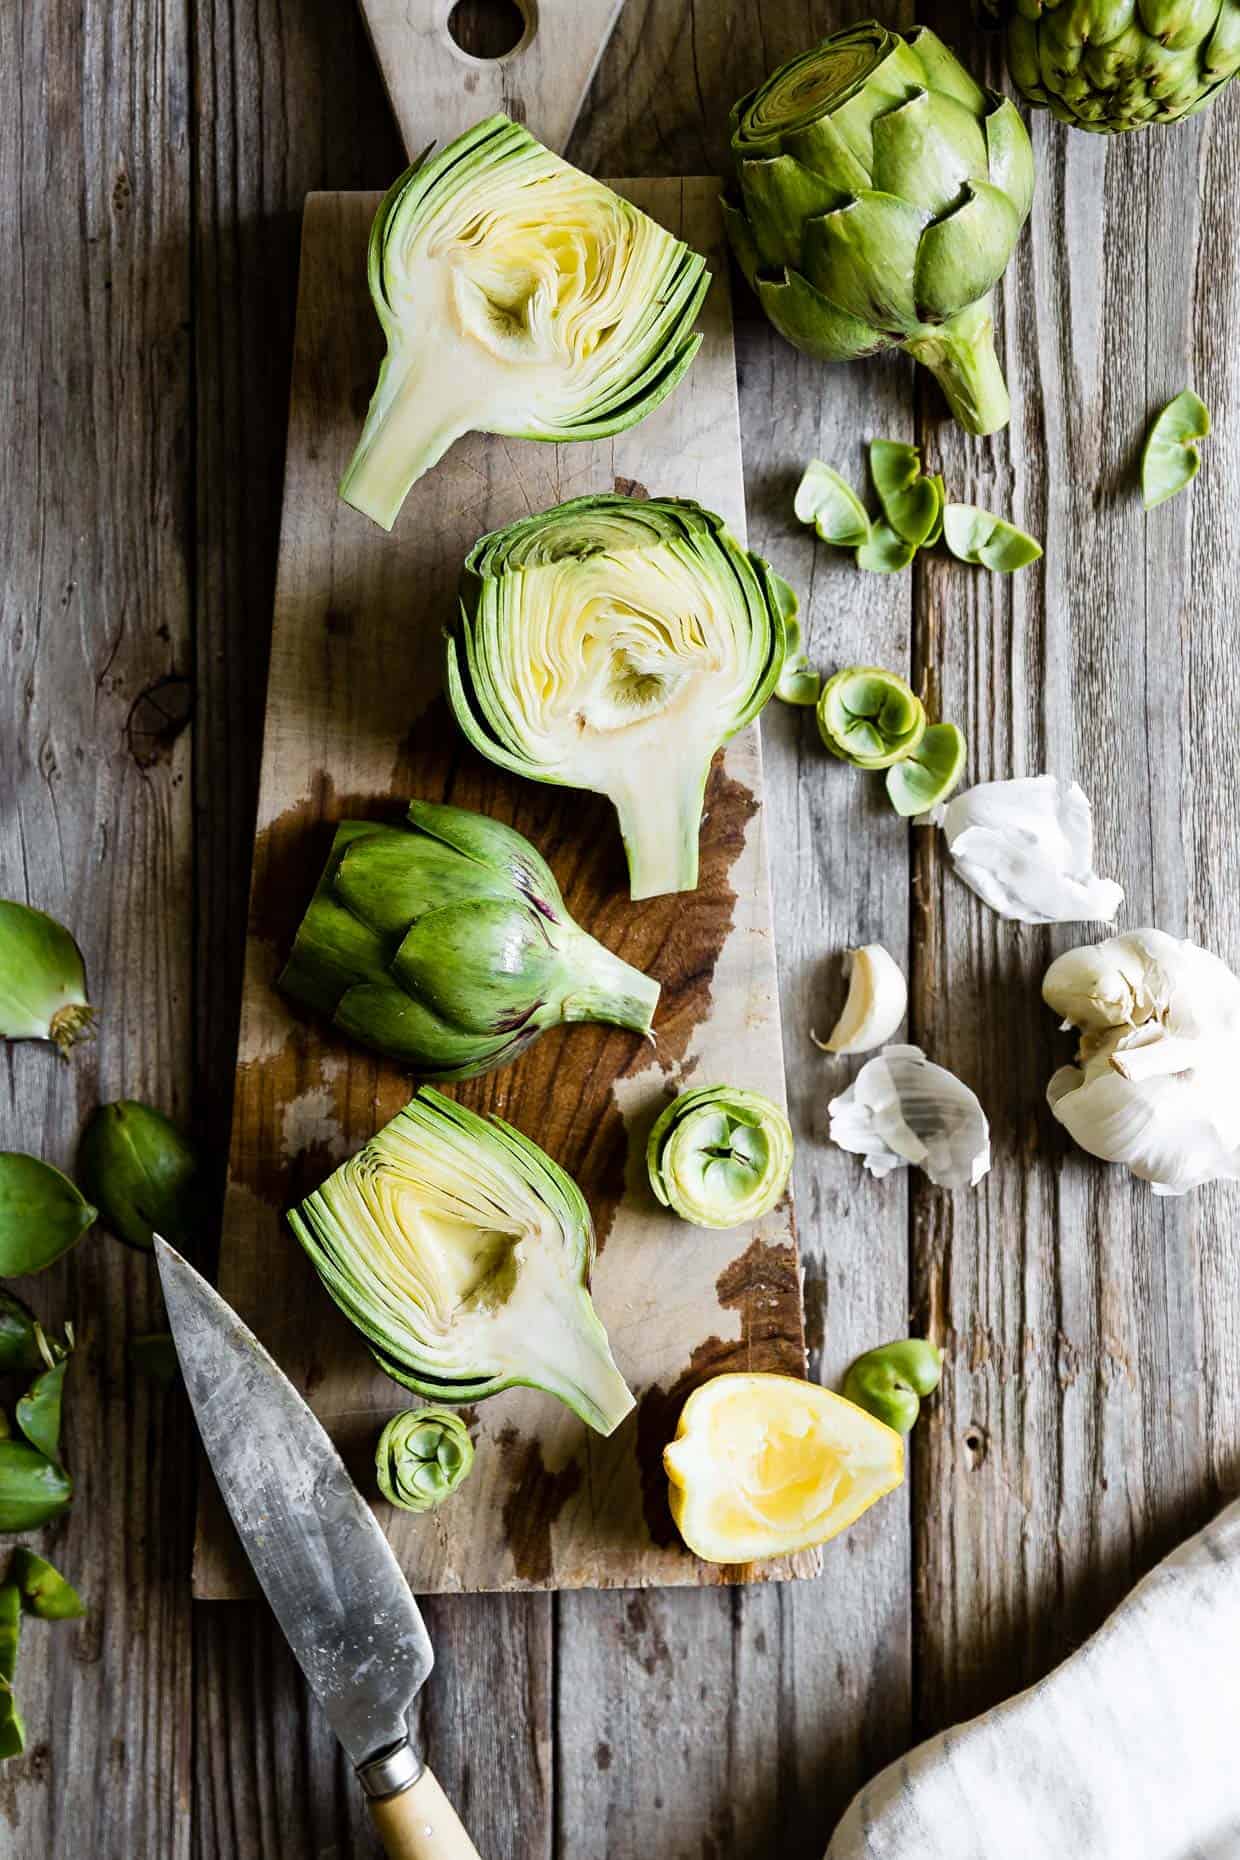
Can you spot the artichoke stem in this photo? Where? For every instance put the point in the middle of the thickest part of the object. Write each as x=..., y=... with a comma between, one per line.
x=960, y=354
x=605, y=987
x=69, y=1025
x=661, y=823
x=415, y=415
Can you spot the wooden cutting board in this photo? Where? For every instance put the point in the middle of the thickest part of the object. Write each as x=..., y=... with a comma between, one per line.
x=355, y=726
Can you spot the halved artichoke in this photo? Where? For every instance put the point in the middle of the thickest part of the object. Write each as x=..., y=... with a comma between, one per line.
x=463, y=1253
x=613, y=643
x=447, y=945
x=517, y=296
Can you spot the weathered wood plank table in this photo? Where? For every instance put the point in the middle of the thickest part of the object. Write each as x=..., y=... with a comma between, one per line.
x=153, y=166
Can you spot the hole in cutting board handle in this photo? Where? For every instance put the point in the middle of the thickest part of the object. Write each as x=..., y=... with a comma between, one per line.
x=490, y=29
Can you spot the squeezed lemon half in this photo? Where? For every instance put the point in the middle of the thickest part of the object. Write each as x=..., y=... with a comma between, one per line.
x=763, y=1465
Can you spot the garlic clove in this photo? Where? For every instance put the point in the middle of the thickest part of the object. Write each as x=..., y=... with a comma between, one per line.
x=877, y=1002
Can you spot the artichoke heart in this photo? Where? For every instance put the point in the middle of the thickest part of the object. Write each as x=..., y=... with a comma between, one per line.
x=463, y=1253
x=719, y=1156
x=763, y=1465
x=879, y=196
x=614, y=644
x=422, y=1456
x=518, y=296
x=447, y=945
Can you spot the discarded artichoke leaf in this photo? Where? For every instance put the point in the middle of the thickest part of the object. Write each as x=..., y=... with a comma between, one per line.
x=719, y=1156
x=764, y=1465
x=884, y=552
x=1154, y=1084
x=901, y=1108
x=446, y=944
x=891, y=1381
x=1026, y=847
x=928, y=775
x=517, y=296
x=42, y=979
x=39, y=1410
x=42, y=1214
x=33, y=1489
x=141, y=1173
x=830, y=504
x=422, y=1456
x=44, y=1591
x=936, y=528
x=613, y=644
x=154, y=1355
x=798, y=683
x=877, y=1002
x=1170, y=459
x=12, y=1730
x=19, y=1336
x=870, y=717
x=975, y=536
x=910, y=501
x=462, y=1253
x=879, y=196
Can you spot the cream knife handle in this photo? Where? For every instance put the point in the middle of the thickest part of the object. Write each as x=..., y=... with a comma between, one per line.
x=421, y=1824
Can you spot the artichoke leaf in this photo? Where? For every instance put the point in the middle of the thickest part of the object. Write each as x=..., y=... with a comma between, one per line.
x=44, y=1591
x=805, y=318
x=42, y=1214
x=892, y=1381
x=911, y=502
x=42, y=979
x=927, y=150
x=462, y=1254
x=829, y=502
x=929, y=773
x=12, y=1729
x=863, y=258
x=884, y=552
x=976, y=536
x=1170, y=459
x=141, y=1172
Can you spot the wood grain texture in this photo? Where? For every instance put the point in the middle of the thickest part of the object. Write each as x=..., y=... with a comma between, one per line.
x=438, y=87
x=356, y=655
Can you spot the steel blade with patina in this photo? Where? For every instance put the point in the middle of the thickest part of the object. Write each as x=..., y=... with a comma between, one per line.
x=317, y=1549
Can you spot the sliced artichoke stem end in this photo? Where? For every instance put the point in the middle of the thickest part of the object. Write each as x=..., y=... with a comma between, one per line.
x=409, y=426
x=960, y=354
x=661, y=826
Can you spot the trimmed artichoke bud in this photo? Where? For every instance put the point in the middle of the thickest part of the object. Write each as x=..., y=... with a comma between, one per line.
x=719, y=1156
x=42, y=979
x=44, y=1591
x=422, y=1456
x=1111, y=69
x=870, y=717
x=42, y=1214
x=463, y=1253
x=518, y=296
x=614, y=643
x=140, y=1171
x=890, y=1382
x=880, y=194
x=446, y=945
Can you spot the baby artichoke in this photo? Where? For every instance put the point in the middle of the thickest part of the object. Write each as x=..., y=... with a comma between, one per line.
x=422, y=1456
x=1110, y=68
x=719, y=1156
x=517, y=296
x=613, y=644
x=879, y=196
x=446, y=944
x=463, y=1254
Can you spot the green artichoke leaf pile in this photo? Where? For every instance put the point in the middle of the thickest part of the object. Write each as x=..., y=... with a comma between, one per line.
x=517, y=296
x=447, y=946
x=720, y=1156
x=879, y=196
x=422, y=1456
x=614, y=643
x=462, y=1253
x=1112, y=68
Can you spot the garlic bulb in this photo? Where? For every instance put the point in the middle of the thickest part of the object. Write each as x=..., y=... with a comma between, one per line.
x=1157, y=1079
x=877, y=1002
x=1026, y=848
x=901, y=1108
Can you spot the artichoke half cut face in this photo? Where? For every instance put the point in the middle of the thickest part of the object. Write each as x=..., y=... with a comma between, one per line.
x=518, y=296
x=462, y=1253
x=613, y=644
x=879, y=195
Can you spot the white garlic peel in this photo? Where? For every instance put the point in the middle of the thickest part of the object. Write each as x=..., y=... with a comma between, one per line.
x=877, y=1002
x=1157, y=1080
x=901, y=1108
x=1026, y=847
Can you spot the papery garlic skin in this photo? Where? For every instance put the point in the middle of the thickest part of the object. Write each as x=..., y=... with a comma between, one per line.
x=877, y=1002
x=1157, y=1080
x=901, y=1108
x=1026, y=848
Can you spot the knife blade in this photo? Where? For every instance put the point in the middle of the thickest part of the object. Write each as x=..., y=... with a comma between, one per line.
x=320, y=1556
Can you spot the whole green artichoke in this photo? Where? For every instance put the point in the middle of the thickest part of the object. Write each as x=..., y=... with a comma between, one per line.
x=880, y=194
x=446, y=945
x=1109, y=67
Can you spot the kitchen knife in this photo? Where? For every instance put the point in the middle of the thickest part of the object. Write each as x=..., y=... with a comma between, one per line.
x=323, y=1562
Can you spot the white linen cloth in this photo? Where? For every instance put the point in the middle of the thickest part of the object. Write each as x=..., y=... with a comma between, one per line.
x=1128, y=1751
